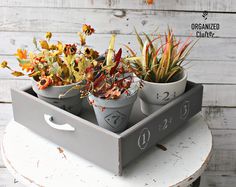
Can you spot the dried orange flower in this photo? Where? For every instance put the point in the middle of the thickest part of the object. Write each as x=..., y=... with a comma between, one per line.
x=90, y=53
x=150, y=2
x=44, y=83
x=87, y=29
x=22, y=54
x=70, y=49
x=27, y=66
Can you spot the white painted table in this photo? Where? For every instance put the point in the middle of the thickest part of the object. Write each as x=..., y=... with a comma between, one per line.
x=35, y=161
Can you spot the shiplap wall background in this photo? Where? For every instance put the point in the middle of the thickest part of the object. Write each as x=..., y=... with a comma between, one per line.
x=212, y=60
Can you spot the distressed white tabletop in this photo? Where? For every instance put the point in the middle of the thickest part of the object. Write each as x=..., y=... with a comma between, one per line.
x=37, y=162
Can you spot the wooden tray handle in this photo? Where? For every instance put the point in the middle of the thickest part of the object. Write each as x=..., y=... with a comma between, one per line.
x=64, y=127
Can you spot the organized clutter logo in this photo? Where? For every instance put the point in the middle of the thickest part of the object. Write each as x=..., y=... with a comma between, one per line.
x=205, y=29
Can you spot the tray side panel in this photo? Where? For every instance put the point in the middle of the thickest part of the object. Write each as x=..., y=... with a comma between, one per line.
x=161, y=123
x=86, y=141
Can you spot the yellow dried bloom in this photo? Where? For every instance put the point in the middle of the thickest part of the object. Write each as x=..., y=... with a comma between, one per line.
x=48, y=35
x=82, y=38
x=44, y=44
x=3, y=64
x=87, y=29
x=60, y=49
x=52, y=47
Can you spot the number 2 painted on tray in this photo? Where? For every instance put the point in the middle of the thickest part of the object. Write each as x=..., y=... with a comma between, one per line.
x=165, y=125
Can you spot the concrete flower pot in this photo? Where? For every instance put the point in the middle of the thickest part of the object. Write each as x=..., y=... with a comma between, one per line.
x=154, y=95
x=71, y=102
x=114, y=114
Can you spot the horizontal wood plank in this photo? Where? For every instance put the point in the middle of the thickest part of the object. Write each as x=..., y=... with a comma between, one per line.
x=220, y=118
x=186, y=5
x=218, y=179
x=207, y=72
x=224, y=151
x=109, y=21
x=5, y=88
x=204, y=50
x=224, y=139
x=219, y=95
x=222, y=160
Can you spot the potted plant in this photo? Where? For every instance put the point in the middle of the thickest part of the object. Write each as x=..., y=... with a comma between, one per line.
x=55, y=68
x=160, y=69
x=110, y=89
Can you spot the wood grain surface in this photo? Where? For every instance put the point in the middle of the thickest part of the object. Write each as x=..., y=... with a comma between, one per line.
x=212, y=61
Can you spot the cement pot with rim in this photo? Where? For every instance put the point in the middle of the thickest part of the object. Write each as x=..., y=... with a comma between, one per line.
x=154, y=95
x=70, y=102
x=114, y=114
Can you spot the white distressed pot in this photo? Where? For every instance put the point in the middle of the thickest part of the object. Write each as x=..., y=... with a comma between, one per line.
x=154, y=95
x=70, y=102
x=114, y=114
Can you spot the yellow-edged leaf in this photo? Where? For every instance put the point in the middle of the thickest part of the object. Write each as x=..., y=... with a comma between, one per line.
x=140, y=41
x=145, y=56
x=130, y=50
x=17, y=73
x=110, y=52
x=173, y=72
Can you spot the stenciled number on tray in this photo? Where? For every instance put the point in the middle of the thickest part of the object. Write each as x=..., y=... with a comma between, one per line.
x=165, y=96
x=184, y=110
x=165, y=124
x=144, y=138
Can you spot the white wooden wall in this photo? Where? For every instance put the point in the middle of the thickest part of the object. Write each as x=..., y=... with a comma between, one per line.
x=212, y=60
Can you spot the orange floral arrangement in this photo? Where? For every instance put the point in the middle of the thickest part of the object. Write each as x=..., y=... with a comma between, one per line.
x=55, y=64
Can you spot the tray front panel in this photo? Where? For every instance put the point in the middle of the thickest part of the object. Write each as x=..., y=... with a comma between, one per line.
x=87, y=140
x=160, y=124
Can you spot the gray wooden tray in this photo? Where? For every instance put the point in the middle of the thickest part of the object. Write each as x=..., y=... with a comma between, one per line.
x=107, y=149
